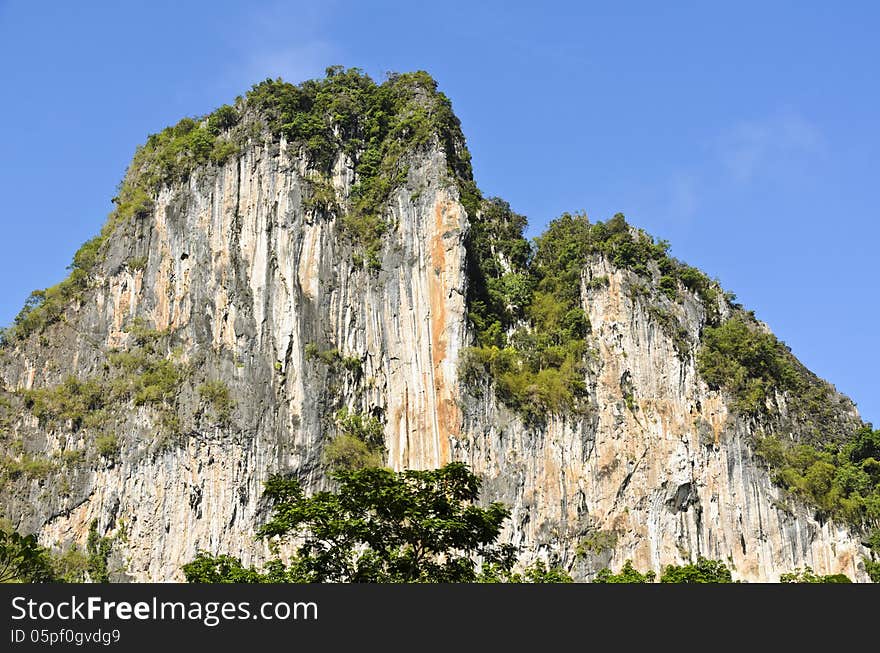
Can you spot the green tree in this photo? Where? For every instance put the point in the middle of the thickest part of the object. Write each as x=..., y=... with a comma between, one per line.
x=628, y=574
x=703, y=571
x=378, y=526
x=747, y=362
x=98, y=551
x=537, y=572
x=206, y=568
x=873, y=569
x=382, y=526
x=70, y=565
x=872, y=565
x=22, y=559
x=806, y=575
x=839, y=480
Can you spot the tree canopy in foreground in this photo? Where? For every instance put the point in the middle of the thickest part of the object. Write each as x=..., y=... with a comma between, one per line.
x=380, y=526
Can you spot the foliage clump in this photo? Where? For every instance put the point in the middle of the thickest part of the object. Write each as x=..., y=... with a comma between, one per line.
x=873, y=568
x=107, y=445
x=379, y=526
x=24, y=465
x=73, y=401
x=703, y=570
x=70, y=565
x=529, y=325
x=832, y=463
x=98, y=548
x=170, y=156
x=840, y=480
x=333, y=358
x=627, y=574
x=217, y=394
x=536, y=573
x=359, y=442
x=48, y=306
x=753, y=366
x=375, y=125
x=596, y=543
x=806, y=575
x=144, y=374
x=525, y=302
x=747, y=362
x=22, y=559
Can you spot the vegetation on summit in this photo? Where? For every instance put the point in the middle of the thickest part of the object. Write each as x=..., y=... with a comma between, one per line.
x=525, y=306
x=532, y=349
x=376, y=125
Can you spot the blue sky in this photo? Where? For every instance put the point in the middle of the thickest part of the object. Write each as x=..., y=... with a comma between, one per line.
x=747, y=135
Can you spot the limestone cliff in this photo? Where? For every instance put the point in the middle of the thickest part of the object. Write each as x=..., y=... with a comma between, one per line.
x=660, y=471
x=230, y=313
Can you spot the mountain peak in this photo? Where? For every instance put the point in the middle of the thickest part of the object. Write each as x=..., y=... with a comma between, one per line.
x=308, y=278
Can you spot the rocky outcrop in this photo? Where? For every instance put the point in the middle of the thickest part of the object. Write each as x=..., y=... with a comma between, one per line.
x=248, y=283
x=659, y=472
x=242, y=281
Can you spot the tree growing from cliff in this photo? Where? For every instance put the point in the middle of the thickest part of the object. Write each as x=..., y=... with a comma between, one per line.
x=381, y=526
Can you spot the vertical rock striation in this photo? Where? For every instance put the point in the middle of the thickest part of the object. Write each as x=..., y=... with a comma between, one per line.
x=240, y=280
x=660, y=472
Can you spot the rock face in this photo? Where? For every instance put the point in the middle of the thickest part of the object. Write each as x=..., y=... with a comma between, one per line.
x=660, y=472
x=241, y=281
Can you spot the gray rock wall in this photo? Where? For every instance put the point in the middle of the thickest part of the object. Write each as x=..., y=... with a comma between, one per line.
x=661, y=482
x=247, y=280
